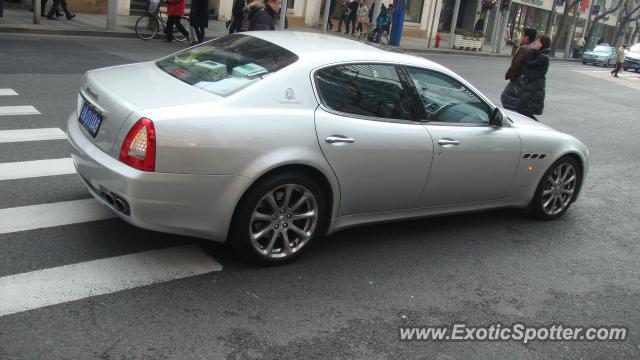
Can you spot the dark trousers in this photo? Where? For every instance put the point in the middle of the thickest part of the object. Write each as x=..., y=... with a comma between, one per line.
x=171, y=21
x=341, y=20
x=56, y=5
x=43, y=4
x=199, y=30
x=617, y=69
x=351, y=20
x=236, y=25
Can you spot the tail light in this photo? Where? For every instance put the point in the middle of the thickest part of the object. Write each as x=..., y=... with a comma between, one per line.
x=139, y=147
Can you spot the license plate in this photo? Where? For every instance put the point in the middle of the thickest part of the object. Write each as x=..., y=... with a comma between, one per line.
x=90, y=119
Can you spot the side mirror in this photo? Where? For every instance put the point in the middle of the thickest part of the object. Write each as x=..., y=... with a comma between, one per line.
x=497, y=117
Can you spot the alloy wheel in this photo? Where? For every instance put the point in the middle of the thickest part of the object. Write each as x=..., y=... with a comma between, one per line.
x=558, y=189
x=284, y=221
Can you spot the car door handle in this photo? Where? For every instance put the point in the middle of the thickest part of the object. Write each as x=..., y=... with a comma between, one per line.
x=339, y=140
x=448, y=142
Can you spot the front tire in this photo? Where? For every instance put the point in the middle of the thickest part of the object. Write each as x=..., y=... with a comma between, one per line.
x=278, y=218
x=557, y=189
x=146, y=27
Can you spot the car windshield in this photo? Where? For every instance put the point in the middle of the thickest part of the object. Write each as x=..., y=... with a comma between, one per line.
x=635, y=48
x=228, y=64
x=604, y=49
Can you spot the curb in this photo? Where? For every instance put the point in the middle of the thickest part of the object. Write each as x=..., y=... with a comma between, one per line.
x=89, y=33
x=132, y=35
x=480, y=54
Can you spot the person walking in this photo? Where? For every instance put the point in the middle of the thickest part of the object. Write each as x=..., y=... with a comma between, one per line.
x=363, y=17
x=199, y=18
x=534, y=78
x=175, y=10
x=344, y=14
x=43, y=6
x=237, y=15
x=353, y=17
x=54, y=9
x=619, y=60
x=510, y=96
x=264, y=18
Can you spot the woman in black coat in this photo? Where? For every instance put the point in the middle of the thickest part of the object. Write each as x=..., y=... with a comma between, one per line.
x=199, y=18
x=534, y=78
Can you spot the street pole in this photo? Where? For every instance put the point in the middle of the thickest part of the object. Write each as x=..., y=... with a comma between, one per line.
x=327, y=8
x=495, y=29
x=283, y=14
x=433, y=21
x=552, y=18
x=36, y=11
x=376, y=11
x=112, y=14
x=574, y=22
x=398, y=22
x=503, y=28
x=454, y=21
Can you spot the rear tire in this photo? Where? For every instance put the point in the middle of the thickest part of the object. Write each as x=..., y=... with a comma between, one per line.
x=278, y=218
x=146, y=27
x=557, y=189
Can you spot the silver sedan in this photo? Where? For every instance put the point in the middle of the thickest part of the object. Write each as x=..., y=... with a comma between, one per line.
x=274, y=139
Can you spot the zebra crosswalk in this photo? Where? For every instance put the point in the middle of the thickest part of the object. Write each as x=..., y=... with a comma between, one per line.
x=93, y=276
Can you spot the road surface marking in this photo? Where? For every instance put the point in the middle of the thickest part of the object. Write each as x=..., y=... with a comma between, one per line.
x=7, y=92
x=7, y=136
x=36, y=168
x=18, y=110
x=36, y=289
x=54, y=214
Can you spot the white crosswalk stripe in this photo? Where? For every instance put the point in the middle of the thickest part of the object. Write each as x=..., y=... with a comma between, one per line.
x=7, y=92
x=55, y=214
x=18, y=110
x=36, y=168
x=66, y=283
x=23, y=135
x=71, y=282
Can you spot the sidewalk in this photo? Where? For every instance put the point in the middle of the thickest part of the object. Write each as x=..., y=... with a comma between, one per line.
x=21, y=21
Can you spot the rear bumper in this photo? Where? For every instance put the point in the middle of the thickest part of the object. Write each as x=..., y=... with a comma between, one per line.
x=185, y=204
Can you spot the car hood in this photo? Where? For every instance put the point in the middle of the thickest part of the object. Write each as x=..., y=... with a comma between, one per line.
x=520, y=121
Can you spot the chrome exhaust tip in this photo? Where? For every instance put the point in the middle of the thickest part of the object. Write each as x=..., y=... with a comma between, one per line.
x=122, y=205
x=110, y=198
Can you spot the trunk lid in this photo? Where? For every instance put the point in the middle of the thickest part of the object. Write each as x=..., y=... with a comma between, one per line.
x=116, y=92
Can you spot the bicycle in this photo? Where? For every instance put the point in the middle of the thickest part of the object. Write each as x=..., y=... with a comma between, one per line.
x=370, y=36
x=147, y=25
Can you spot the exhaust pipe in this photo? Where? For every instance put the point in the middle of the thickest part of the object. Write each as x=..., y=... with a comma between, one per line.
x=122, y=206
x=110, y=199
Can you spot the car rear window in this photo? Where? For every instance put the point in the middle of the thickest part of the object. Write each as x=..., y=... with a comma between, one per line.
x=227, y=64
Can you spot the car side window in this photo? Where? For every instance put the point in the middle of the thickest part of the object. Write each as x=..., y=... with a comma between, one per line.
x=447, y=100
x=373, y=90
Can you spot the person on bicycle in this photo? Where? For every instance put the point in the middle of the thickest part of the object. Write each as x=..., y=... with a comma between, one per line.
x=175, y=10
x=381, y=23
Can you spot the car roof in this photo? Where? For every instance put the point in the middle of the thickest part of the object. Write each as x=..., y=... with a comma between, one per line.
x=331, y=49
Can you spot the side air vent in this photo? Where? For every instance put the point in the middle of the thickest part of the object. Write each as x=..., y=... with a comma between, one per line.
x=534, y=156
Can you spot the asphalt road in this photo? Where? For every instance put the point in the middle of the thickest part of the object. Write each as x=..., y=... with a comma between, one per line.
x=347, y=296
